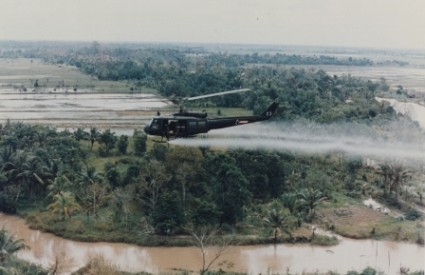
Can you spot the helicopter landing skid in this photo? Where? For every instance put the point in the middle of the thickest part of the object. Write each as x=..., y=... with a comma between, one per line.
x=161, y=141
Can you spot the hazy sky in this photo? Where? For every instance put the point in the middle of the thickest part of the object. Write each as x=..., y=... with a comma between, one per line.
x=358, y=23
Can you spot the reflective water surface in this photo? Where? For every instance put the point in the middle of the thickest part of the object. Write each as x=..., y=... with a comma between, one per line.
x=348, y=255
x=82, y=109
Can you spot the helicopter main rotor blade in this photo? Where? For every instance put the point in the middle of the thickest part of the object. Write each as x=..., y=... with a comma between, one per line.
x=217, y=94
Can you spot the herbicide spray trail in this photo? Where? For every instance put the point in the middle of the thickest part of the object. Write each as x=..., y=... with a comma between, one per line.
x=395, y=141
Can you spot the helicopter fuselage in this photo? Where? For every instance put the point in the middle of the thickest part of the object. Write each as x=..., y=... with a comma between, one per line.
x=185, y=126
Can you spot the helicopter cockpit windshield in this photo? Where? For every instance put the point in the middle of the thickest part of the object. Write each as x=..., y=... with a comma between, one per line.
x=154, y=124
x=152, y=127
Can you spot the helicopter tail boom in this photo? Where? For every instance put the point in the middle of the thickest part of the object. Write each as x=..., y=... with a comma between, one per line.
x=219, y=123
x=271, y=110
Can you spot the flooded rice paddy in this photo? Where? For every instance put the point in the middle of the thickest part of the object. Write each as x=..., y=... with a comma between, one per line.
x=66, y=98
x=82, y=109
x=411, y=78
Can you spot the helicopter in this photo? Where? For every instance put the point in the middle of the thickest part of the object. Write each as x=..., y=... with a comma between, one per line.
x=188, y=124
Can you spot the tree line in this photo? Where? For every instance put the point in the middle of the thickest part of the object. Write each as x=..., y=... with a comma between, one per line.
x=92, y=177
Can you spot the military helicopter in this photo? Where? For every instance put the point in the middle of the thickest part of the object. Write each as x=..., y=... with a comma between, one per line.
x=188, y=124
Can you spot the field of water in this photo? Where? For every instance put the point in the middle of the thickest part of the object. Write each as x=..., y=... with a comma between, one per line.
x=411, y=78
x=82, y=109
x=67, y=98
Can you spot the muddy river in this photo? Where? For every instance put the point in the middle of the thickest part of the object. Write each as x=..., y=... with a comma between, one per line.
x=348, y=255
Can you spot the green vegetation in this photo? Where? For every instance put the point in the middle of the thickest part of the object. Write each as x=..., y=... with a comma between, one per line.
x=9, y=264
x=147, y=196
x=92, y=185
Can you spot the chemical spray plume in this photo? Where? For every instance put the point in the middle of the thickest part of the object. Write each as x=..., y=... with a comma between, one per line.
x=397, y=141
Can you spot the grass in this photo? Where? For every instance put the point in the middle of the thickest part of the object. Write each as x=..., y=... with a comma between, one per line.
x=355, y=220
x=25, y=71
x=324, y=240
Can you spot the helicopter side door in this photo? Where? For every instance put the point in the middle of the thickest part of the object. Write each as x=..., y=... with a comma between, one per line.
x=196, y=126
x=177, y=128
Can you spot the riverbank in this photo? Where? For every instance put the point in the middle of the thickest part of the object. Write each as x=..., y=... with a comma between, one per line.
x=348, y=255
x=354, y=220
x=78, y=228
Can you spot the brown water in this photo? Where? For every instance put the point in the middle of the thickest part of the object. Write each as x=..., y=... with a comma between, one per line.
x=348, y=255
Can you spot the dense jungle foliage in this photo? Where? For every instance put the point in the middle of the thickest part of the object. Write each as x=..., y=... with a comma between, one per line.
x=84, y=183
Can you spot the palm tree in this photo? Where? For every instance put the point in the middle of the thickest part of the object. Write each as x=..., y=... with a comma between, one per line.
x=290, y=201
x=25, y=171
x=278, y=221
x=80, y=134
x=395, y=176
x=6, y=154
x=9, y=245
x=311, y=198
x=89, y=176
x=92, y=190
x=64, y=203
x=58, y=186
x=42, y=134
x=10, y=142
x=49, y=166
x=25, y=134
x=94, y=135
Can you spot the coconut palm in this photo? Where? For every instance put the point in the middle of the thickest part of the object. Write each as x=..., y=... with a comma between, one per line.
x=278, y=220
x=9, y=245
x=92, y=191
x=49, y=166
x=64, y=203
x=25, y=170
x=93, y=136
x=80, y=134
x=90, y=176
x=290, y=201
x=42, y=135
x=275, y=220
x=395, y=176
x=6, y=155
x=311, y=198
x=58, y=186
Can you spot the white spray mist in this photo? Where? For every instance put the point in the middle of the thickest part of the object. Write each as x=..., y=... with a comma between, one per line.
x=396, y=140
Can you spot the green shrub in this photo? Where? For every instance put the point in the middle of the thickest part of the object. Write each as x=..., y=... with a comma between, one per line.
x=7, y=204
x=324, y=240
x=412, y=214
